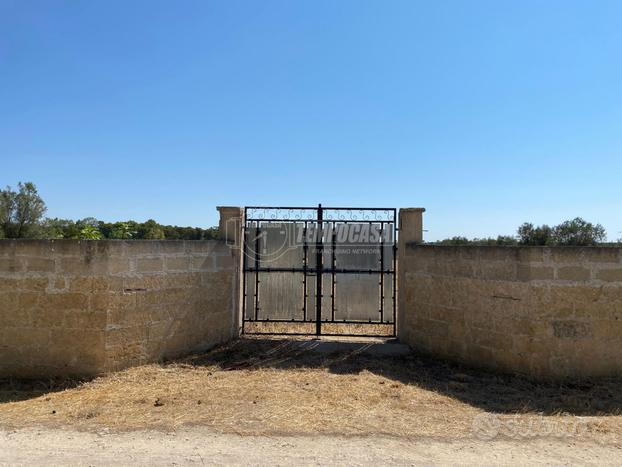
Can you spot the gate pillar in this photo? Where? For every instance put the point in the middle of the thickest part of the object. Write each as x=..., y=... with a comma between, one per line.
x=411, y=225
x=230, y=225
x=410, y=231
x=230, y=230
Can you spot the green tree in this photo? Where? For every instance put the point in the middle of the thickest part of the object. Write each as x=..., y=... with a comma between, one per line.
x=89, y=232
x=528, y=234
x=21, y=215
x=579, y=232
x=21, y=211
x=7, y=208
x=506, y=240
x=576, y=232
x=150, y=230
x=501, y=240
x=123, y=230
x=59, y=228
x=455, y=241
x=88, y=221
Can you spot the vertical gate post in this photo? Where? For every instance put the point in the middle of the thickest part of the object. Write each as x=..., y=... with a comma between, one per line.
x=411, y=225
x=230, y=224
x=410, y=231
x=319, y=264
x=230, y=230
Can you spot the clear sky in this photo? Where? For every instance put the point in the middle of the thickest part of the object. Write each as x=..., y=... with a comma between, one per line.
x=488, y=114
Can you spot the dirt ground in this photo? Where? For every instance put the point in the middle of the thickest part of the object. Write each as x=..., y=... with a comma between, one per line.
x=198, y=446
x=296, y=391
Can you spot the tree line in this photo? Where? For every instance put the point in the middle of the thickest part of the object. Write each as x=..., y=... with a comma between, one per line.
x=22, y=214
x=574, y=232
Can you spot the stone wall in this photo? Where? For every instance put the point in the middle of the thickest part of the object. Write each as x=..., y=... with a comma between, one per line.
x=550, y=313
x=75, y=308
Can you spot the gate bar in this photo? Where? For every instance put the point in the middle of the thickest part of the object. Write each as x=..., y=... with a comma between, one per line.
x=325, y=321
x=257, y=230
x=339, y=221
x=319, y=268
x=382, y=273
x=305, y=248
x=333, y=277
x=326, y=270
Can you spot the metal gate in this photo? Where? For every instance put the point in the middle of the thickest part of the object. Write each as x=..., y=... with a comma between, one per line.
x=318, y=270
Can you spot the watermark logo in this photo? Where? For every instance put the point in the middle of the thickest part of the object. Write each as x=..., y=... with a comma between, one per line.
x=268, y=242
x=349, y=235
x=488, y=426
x=271, y=241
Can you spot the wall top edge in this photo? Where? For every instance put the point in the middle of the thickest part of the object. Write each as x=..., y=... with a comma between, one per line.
x=105, y=240
x=513, y=247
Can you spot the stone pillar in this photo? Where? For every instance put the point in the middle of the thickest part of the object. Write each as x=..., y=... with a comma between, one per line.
x=411, y=225
x=230, y=225
x=410, y=231
x=230, y=229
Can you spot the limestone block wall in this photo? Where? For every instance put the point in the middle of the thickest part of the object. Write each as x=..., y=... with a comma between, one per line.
x=75, y=308
x=550, y=313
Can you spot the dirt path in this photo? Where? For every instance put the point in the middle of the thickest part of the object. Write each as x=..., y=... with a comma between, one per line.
x=200, y=447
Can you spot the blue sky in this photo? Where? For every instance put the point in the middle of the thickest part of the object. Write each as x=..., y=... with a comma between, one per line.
x=488, y=114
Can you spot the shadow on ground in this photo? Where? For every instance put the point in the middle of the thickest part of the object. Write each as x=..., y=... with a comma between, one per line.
x=14, y=390
x=486, y=390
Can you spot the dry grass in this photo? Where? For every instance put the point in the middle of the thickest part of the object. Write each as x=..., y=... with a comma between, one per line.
x=272, y=386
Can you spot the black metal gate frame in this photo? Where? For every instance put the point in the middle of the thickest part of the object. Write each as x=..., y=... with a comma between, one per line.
x=320, y=270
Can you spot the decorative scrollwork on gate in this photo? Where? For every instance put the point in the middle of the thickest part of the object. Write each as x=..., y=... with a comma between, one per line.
x=258, y=213
x=280, y=214
x=359, y=215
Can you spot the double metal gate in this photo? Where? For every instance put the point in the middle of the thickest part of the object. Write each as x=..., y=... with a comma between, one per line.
x=317, y=270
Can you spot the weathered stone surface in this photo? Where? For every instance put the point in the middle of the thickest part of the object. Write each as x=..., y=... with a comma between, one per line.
x=177, y=263
x=571, y=329
x=529, y=272
x=550, y=313
x=610, y=275
x=574, y=273
x=149, y=264
x=11, y=265
x=75, y=308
